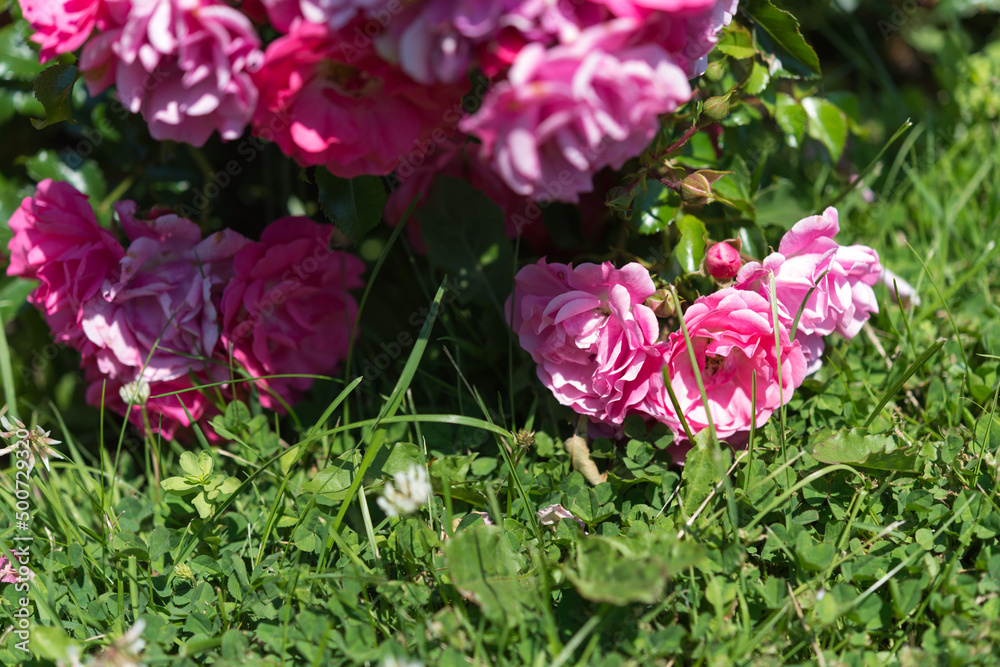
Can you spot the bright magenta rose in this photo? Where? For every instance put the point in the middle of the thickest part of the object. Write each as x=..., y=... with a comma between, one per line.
x=288, y=309
x=63, y=26
x=325, y=102
x=592, y=336
x=733, y=338
x=58, y=242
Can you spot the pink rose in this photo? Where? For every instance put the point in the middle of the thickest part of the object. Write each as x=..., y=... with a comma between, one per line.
x=843, y=277
x=722, y=261
x=58, y=242
x=565, y=112
x=333, y=13
x=592, y=337
x=288, y=309
x=185, y=65
x=733, y=337
x=324, y=102
x=63, y=26
x=159, y=319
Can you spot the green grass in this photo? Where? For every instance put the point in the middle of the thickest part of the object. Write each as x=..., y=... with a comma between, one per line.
x=807, y=549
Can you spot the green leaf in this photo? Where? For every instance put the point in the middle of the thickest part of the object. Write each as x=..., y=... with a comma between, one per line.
x=331, y=481
x=857, y=447
x=50, y=642
x=690, y=249
x=777, y=31
x=354, y=205
x=759, y=77
x=178, y=486
x=237, y=415
x=625, y=570
x=190, y=464
x=704, y=467
x=827, y=124
x=54, y=89
x=486, y=569
x=88, y=178
x=126, y=543
x=737, y=42
x=651, y=210
x=202, y=505
x=791, y=118
x=463, y=229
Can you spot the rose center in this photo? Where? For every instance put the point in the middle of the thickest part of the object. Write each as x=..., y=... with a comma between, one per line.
x=347, y=80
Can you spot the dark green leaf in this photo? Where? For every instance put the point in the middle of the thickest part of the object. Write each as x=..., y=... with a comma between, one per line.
x=651, y=210
x=18, y=61
x=54, y=89
x=704, y=467
x=778, y=31
x=791, y=118
x=88, y=178
x=354, y=205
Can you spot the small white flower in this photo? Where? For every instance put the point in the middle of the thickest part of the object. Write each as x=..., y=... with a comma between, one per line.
x=134, y=393
x=411, y=491
x=393, y=661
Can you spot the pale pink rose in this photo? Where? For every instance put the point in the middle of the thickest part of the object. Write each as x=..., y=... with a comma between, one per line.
x=167, y=414
x=184, y=64
x=352, y=112
x=63, y=26
x=733, y=337
x=843, y=277
x=687, y=35
x=592, y=337
x=565, y=112
x=288, y=310
x=159, y=320
x=58, y=242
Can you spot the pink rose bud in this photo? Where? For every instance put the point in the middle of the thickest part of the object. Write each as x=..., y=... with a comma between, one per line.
x=722, y=261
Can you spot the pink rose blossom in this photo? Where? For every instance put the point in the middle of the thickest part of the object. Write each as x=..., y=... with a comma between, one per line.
x=733, y=337
x=58, y=242
x=687, y=35
x=592, y=337
x=565, y=112
x=288, y=309
x=356, y=115
x=184, y=64
x=63, y=26
x=843, y=277
x=159, y=319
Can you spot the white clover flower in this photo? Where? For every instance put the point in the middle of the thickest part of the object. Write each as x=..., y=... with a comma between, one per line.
x=135, y=393
x=411, y=491
x=33, y=444
x=393, y=661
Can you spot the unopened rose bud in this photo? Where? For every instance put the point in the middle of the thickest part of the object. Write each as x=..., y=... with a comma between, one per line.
x=661, y=304
x=722, y=261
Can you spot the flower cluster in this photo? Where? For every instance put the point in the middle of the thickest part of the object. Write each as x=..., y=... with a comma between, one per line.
x=372, y=86
x=599, y=349
x=146, y=317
